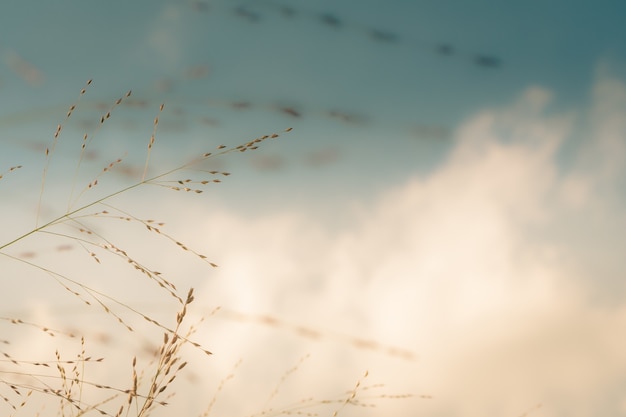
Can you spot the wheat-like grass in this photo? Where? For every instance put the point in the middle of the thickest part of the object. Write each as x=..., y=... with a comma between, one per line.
x=283, y=378
x=73, y=216
x=220, y=388
x=330, y=20
x=312, y=333
x=151, y=143
x=11, y=169
x=168, y=363
x=69, y=383
x=357, y=397
x=87, y=139
x=50, y=150
x=351, y=396
x=66, y=380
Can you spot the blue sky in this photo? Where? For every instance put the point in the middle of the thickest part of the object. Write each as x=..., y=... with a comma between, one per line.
x=403, y=88
x=452, y=186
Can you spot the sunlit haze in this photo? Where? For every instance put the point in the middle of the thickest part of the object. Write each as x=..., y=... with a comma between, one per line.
x=440, y=217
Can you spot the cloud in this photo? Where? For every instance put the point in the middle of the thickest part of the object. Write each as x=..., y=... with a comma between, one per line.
x=485, y=268
x=501, y=270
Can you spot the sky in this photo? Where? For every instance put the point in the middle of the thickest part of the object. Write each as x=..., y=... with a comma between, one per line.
x=446, y=213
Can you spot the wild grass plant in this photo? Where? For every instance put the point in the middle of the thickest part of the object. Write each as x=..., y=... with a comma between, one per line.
x=74, y=245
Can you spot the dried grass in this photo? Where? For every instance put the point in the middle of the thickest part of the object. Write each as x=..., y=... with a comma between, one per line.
x=153, y=375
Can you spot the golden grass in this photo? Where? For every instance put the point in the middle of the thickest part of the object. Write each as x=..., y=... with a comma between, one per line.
x=152, y=380
x=73, y=228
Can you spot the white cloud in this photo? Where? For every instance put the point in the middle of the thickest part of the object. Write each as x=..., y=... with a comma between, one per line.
x=469, y=268
x=500, y=270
